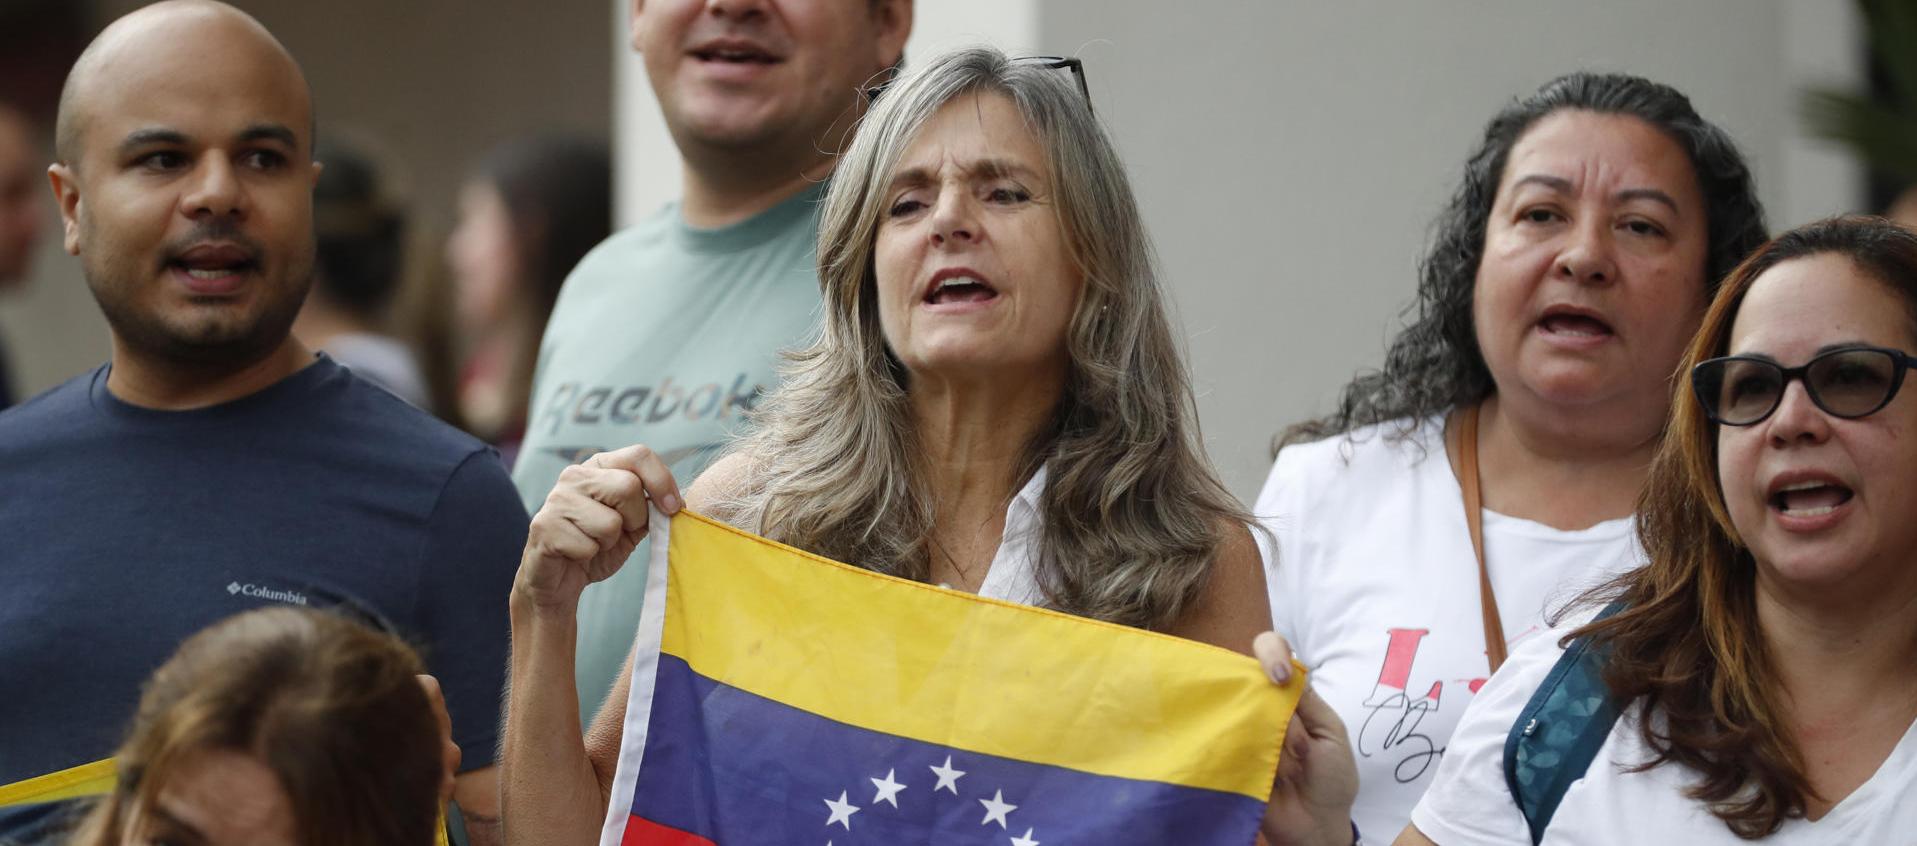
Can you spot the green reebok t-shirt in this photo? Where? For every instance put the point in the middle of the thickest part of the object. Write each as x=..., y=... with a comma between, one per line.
x=664, y=335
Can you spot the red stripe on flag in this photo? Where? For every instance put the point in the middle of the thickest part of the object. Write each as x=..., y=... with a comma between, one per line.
x=644, y=832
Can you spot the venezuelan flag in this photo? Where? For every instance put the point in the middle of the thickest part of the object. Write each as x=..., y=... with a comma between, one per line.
x=781, y=698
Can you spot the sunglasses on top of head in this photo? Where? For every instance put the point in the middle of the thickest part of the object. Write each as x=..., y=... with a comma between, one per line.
x=1057, y=62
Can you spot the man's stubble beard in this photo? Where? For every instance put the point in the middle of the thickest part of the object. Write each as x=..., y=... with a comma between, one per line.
x=218, y=342
x=775, y=148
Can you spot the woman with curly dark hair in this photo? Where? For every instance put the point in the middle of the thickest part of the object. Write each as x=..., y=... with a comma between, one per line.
x=1761, y=669
x=1494, y=460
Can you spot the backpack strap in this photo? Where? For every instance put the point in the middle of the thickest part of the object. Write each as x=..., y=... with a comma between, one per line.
x=1559, y=732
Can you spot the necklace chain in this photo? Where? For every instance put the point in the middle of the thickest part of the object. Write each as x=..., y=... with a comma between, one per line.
x=963, y=571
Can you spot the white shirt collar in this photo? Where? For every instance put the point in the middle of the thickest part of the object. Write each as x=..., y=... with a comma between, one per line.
x=1028, y=495
x=1012, y=576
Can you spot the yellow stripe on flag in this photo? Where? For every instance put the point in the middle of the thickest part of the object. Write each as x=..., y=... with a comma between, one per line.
x=949, y=668
x=95, y=779
x=98, y=779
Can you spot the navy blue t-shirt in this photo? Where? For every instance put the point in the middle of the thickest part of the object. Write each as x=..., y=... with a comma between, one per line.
x=123, y=530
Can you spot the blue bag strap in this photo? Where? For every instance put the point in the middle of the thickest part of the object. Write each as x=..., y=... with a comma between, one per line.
x=1559, y=732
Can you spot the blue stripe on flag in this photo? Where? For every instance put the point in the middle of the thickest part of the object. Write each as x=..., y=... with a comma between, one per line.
x=741, y=769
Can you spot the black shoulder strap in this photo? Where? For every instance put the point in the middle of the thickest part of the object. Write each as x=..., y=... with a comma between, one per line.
x=1559, y=732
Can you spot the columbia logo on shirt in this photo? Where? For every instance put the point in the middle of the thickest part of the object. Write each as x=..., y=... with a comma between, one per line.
x=260, y=592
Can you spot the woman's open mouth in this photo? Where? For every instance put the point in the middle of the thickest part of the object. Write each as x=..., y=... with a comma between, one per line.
x=1809, y=499
x=960, y=289
x=1575, y=326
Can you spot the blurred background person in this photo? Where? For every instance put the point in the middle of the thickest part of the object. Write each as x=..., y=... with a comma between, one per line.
x=280, y=727
x=1763, y=664
x=531, y=210
x=1493, y=463
x=359, y=267
x=22, y=212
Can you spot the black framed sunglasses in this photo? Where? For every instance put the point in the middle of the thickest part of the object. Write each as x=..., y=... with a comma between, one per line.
x=1850, y=382
x=1050, y=62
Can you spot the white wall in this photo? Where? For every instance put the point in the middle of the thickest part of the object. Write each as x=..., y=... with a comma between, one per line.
x=1290, y=155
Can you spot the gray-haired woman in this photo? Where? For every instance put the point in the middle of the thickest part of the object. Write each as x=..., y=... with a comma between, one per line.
x=996, y=404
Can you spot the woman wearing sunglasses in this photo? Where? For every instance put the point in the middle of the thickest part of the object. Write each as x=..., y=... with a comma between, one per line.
x=1764, y=661
x=1491, y=466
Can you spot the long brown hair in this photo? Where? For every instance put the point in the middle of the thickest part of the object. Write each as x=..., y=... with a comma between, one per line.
x=1687, y=643
x=1133, y=514
x=331, y=707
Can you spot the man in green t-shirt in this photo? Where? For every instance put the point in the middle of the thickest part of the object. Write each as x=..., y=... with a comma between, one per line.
x=668, y=332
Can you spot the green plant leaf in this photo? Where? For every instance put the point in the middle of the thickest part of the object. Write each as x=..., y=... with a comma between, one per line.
x=1883, y=137
x=1880, y=132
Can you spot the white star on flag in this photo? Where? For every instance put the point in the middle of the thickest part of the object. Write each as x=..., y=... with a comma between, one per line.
x=996, y=808
x=842, y=811
x=948, y=777
x=888, y=789
x=1016, y=841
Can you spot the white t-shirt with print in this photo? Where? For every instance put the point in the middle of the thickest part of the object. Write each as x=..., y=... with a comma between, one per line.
x=1471, y=805
x=1375, y=585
